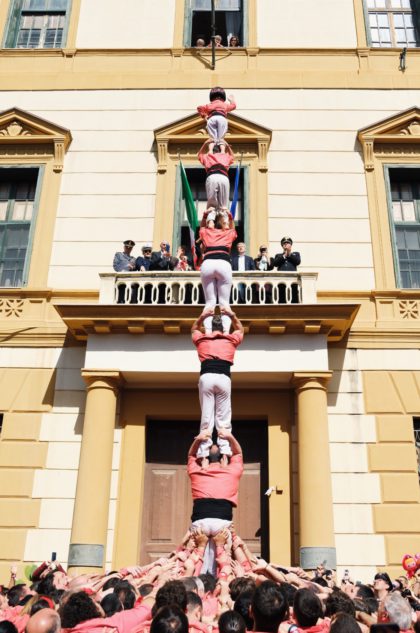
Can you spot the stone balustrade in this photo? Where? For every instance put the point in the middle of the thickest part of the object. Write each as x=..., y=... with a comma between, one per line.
x=184, y=288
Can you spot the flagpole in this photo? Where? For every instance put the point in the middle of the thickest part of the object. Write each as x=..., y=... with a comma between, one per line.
x=213, y=35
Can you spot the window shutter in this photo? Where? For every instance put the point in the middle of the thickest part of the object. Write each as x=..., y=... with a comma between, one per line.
x=415, y=5
x=220, y=5
x=13, y=25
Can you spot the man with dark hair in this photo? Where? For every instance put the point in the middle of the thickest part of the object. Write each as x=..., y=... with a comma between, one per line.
x=344, y=623
x=169, y=619
x=231, y=622
x=307, y=608
x=216, y=352
x=338, y=601
x=194, y=611
x=242, y=606
x=172, y=592
x=269, y=607
x=17, y=593
x=214, y=491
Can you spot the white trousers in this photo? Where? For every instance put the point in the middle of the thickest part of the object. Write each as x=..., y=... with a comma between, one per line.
x=214, y=391
x=210, y=527
x=217, y=191
x=216, y=279
x=217, y=126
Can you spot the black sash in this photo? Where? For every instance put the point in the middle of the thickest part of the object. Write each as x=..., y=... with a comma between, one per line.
x=217, y=169
x=218, y=112
x=215, y=366
x=212, y=509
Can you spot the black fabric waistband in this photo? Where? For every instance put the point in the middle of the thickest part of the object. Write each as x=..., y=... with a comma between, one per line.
x=212, y=509
x=217, y=169
x=215, y=366
x=225, y=257
x=217, y=113
x=210, y=249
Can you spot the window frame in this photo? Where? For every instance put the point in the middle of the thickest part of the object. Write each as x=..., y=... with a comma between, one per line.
x=392, y=224
x=11, y=31
x=187, y=34
x=366, y=12
x=177, y=225
x=38, y=188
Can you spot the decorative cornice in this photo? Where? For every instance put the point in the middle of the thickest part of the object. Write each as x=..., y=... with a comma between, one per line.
x=400, y=130
x=333, y=321
x=190, y=132
x=23, y=129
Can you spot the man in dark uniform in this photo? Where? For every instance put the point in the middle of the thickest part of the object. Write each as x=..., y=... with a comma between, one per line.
x=287, y=261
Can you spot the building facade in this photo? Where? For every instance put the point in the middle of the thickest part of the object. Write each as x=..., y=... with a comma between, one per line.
x=98, y=399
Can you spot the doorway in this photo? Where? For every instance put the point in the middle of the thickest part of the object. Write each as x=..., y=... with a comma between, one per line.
x=167, y=499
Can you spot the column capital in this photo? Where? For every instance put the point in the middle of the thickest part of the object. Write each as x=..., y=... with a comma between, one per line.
x=110, y=378
x=302, y=379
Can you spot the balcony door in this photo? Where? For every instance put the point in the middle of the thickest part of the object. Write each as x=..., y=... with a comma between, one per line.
x=167, y=497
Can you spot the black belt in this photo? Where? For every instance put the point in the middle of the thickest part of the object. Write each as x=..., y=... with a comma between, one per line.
x=218, y=112
x=212, y=509
x=217, y=169
x=211, y=249
x=215, y=366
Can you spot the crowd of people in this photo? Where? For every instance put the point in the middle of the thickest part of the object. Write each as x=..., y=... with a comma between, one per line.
x=163, y=260
x=172, y=595
x=232, y=42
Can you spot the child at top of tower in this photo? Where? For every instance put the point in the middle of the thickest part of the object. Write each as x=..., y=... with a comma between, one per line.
x=216, y=113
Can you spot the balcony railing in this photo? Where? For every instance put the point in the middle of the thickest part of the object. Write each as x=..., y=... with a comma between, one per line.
x=184, y=288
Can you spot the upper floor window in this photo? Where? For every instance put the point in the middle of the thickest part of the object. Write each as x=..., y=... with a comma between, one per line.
x=37, y=24
x=392, y=23
x=17, y=213
x=405, y=194
x=229, y=21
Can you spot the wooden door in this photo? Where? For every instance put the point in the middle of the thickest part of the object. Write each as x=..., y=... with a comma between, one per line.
x=167, y=496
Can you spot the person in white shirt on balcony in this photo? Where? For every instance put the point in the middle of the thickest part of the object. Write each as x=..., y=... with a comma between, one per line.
x=242, y=262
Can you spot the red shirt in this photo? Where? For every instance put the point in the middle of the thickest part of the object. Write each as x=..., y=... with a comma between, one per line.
x=210, y=160
x=216, y=106
x=217, y=345
x=218, y=237
x=216, y=482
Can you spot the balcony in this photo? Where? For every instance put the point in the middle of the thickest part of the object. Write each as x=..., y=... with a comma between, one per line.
x=184, y=288
x=146, y=303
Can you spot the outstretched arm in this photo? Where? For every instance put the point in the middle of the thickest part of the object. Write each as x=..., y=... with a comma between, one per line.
x=229, y=150
x=202, y=437
x=203, y=148
x=236, y=324
x=197, y=323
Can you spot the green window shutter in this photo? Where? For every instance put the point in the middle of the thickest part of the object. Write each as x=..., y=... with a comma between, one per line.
x=415, y=5
x=13, y=24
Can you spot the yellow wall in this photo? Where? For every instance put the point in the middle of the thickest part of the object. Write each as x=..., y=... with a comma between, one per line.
x=393, y=396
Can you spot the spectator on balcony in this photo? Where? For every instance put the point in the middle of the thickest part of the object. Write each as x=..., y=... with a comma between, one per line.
x=242, y=262
x=234, y=41
x=124, y=262
x=182, y=262
x=162, y=260
x=263, y=262
x=143, y=262
x=287, y=261
x=200, y=43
